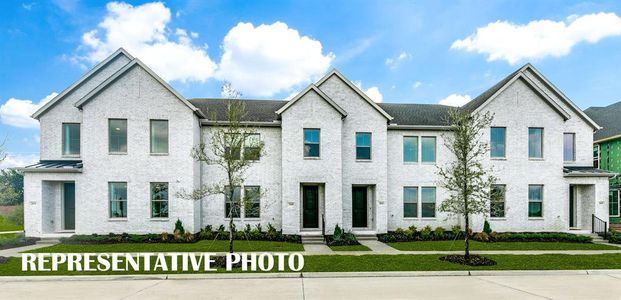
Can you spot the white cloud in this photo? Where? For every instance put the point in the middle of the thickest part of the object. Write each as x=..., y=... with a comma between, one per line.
x=394, y=62
x=373, y=92
x=503, y=40
x=17, y=112
x=455, y=100
x=416, y=84
x=27, y=6
x=16, y=160
x=144, y=31
x=269, y=59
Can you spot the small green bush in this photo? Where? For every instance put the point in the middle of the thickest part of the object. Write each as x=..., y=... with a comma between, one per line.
x=338, y=232
x=425, y=233
x=438, y=233
x=179, y=227
x=487, y=228
x=456, y=230
x=615, y=237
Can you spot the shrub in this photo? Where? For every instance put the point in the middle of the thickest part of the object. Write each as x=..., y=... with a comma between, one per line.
x=164, y=236
x=439, y=233
x=456, y=230
x=338, y=232
x=343, y=239
x=425, y=234
x=177, y=235
x=615, y=237
x=188, y=237
x=179, y=227
x=272, y=234
x=481, y=237
x=19, y=241
x=16, y=216
x=487, y=228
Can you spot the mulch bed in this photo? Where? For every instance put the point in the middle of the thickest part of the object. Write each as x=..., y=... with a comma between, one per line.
x=475, y=260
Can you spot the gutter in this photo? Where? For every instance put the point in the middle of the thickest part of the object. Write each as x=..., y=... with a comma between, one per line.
x=247, y=123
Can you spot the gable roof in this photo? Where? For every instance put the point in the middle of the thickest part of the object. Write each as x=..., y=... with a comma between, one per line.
x=352, y=86
x=135, y=62
x=256, y=110
x=321, y=94
x=80, y=81
x=418, y=114
x=608, y=117
x=484, y=98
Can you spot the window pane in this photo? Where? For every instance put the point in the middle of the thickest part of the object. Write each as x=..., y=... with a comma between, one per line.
x=235, y=209
x=428, y=145
x=535, y=200
x=159, y=200
x=311, y=150
x=534, y=209
x=535, y=192
x=428, y=199
x=535, y=142
x=363, y=139
x=118, y=199
x=117, y=141
x=497, y=203
x=410, y=148
x=497, y=143
x=311, y=142
x=410, y=202
x=252, y=201
x=363, y=152
x=71, y=139
x=569, y=152
x=251, y=146
x=159, y=136
x=613, y=203
x=596, y=156
x=311, y=135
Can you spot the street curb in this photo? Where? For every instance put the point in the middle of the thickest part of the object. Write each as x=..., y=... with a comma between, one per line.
x=217, y=276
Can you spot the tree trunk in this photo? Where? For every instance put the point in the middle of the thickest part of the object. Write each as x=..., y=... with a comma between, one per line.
x=467, y=242
x=231, y=232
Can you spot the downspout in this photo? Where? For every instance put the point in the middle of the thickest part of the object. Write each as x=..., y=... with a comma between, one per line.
x=200, y=175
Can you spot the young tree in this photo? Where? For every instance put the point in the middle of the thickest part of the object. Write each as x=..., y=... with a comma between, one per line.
x=233, y=147
x=11, y=187
x=468, y=182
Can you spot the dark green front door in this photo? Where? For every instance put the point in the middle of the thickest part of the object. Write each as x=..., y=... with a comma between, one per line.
x=359, y=206
x=310, y=206
x=69, y=205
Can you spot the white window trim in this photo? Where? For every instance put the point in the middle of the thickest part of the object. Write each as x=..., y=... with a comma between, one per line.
x=304, y=143
x=504, y=157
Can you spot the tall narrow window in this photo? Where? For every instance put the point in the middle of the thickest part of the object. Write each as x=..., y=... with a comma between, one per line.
x=232, y=206
x=159, y=136
x=159, y=200
x=252, y=202
x=428, y=202
x=311, y=142
x=118, y=199
x=71, y=139
x=252, y=145
x=596, y=156
x=569, y=146
x=117, y=135
x=410, y=148
x=613, y=203
x=363, y=145
x=497, y=205
x=535, y=201
x=428, y=149
x=498, y=139
x=410, y=202
x=535, y=142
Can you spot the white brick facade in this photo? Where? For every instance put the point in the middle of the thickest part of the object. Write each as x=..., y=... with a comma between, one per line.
x=138, y=96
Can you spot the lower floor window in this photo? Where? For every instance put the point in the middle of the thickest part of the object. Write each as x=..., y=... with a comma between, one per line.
x=410, y=202
x=535, y=201
x=497, y=203
x=613, y=203
x=252, y=202
x=118, y=199
x=159, y=200
x=250, y=207
x=428, y=199
x=232, y=205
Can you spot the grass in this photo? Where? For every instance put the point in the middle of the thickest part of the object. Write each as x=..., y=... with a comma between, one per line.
x=615, y=220
x=200, y=246
x=8, y=236
x=350, y=248
x=8, y=226
x=474, y=245
x=369, y=263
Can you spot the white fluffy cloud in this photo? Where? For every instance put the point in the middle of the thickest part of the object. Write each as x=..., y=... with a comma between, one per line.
x=268, y=59
x=18, y=160
x=373, y=92
x=16, y=112
x=455, y=100
x=503, y=40
x=143, y=30
x=393, y=62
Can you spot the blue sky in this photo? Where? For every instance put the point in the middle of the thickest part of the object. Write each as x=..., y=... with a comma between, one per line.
x=399, y=51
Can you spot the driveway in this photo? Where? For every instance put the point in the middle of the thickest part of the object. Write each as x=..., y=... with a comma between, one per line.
x=433, y=287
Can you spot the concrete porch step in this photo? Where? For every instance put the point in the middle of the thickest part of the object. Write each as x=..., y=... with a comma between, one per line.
x=366, y=237
x=48, y=241
x=312, y=239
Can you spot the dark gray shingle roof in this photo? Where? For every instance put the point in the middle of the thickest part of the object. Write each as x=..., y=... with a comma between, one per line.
x=480, y=99
x=256, y=110
x=585, y=171
x=55, y=165
x=417, y=114
x=608, y=117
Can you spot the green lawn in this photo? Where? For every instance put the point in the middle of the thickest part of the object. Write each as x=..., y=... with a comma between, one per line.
x=6, y=226
x=200, y=246
x=350, y=248
x=8, y=236
x=368, y=263
x=474, y=245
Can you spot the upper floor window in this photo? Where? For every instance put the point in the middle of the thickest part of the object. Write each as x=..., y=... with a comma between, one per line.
x=159, y=136
x=117, y=192
x=613, y=203
x=535, y=200
x=497, y=204
x=498, y=140
x=410, y=148
x=535, y=142
x=117, y=135
x=569, y=146
x=252, y=144
x=233, y=145
x=71, y=139
x=596, y=156
x=312, y=142
x=159, y=200
x=363, y=145
x=428, y=149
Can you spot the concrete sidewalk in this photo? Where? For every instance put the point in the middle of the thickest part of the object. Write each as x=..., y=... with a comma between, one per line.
x=537, y=285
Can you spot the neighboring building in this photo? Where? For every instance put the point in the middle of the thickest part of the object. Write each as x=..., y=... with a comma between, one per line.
x=115, y=150
x=607, y=151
